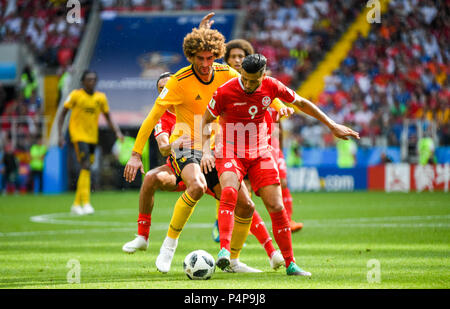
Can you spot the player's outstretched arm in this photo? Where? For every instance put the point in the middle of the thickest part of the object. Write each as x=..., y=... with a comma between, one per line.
x=311, y=109
x=60, y=122
x=208, y=162
x=135, y=162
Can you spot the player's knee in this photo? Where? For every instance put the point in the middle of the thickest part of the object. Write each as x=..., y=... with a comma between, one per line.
x=274, y=207
x=245, y=208
x=196, y=189
x=150, y=181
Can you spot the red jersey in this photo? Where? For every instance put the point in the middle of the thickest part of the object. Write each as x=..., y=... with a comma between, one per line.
x=244, y=131
x=165, y=124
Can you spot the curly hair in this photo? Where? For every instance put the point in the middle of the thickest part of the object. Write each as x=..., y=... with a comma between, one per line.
x=238, y=43
x=200, y=40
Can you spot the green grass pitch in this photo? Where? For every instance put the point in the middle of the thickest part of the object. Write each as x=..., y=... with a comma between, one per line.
x=350, y=240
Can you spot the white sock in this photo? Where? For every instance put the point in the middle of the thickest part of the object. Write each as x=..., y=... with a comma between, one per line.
x=170, y=242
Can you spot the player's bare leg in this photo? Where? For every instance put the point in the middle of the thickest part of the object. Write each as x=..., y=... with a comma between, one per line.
x=272, y=199
x=195, y=188
x=160, y=178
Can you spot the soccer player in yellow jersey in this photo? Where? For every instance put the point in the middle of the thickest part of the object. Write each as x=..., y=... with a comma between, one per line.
x=189, y=92
x=86, y=105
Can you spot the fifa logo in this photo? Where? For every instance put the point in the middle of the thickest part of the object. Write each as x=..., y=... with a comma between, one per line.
x=373, y=15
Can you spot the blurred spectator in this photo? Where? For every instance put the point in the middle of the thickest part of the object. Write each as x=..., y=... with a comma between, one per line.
x=37, y=152
x=28, y=82
x=11, y=166
x=425, y=149
x=346, y=153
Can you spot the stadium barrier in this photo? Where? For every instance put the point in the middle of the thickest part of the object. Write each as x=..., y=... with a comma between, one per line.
x=392, y=177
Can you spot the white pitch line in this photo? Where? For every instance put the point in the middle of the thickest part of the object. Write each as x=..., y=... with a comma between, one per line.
x=375, y=222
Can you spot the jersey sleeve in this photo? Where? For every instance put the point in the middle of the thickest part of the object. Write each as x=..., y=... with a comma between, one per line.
x=104, y=106
x=171, y=94
x=71, y=100
x=147, y=127
x=282, y=92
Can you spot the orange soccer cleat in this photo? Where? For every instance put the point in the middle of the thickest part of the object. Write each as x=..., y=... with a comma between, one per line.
x=295, y=226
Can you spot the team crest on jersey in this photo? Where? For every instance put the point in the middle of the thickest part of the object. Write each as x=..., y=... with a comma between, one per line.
x=266, y=101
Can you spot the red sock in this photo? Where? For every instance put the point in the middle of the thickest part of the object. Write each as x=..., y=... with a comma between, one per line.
x=287, y=201
x=282, y=235
x=258, y=228
x=225, y=216
x=144, y=221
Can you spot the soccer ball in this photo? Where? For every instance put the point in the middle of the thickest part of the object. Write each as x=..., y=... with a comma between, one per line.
x=199, y=265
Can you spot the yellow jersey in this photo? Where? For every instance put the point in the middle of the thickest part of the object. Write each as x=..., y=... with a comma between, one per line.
x=189, y=95
x=86, y=108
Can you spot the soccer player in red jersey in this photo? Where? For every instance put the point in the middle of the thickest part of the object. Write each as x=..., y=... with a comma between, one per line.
x=242, y=147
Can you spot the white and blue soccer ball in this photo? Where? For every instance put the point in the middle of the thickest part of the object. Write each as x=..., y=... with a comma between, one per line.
x=199, y=265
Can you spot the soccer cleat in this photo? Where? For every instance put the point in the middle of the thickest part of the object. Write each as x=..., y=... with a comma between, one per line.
x=295, y=226
x=294, y=270
x=166, y=253
x=76, y=210
x=215, y=231
x=238, y=267
x=223, y=260
x=139, y=243
x=276, y=260
x=88, y=209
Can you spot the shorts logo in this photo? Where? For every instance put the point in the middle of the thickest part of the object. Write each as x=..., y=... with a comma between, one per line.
x=266, y=101
x=228, y=165
x=183, y=159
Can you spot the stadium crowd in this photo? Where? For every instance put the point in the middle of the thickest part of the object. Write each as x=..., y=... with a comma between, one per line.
x=42, y=27
x=400, y=70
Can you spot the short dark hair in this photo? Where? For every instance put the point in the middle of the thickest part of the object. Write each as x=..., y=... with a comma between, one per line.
x=240, y=44
x=163, y=75
x=86, y=72
x=254, y=63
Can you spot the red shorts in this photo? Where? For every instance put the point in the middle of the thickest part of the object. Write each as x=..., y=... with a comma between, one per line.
x=281, y=162
x=262, y=171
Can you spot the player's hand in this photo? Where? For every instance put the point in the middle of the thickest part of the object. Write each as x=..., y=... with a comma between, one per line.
x=206, y=21
x=207, y=163
x=344, y=132
x=183, y=142
x=286, y=111
x=133, y=165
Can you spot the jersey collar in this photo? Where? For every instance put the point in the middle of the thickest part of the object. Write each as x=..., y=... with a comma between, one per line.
x=200, y=80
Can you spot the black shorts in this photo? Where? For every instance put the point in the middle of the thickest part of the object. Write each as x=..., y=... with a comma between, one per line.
x=181, y=158
x=84, y=152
